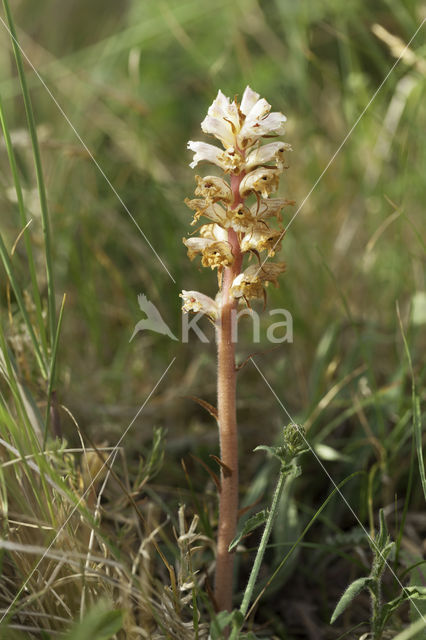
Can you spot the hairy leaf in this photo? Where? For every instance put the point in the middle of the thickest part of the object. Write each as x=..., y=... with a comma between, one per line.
x=250, y=525
x=350, y=593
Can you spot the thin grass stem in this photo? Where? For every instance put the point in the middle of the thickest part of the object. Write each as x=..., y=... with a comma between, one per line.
x=20, y=300
x=262, y=546
x=24, y=224
x=39, y=172
x=52, y=372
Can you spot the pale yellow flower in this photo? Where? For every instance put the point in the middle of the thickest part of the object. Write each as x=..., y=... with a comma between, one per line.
x=248, y=287
x=241, y=218
x=272, y=207
x=262, y=239
x=213, y=232
x=250, y=284
x=213, y=188
x=199, y=302
x=214, y=253
x=262, y=181
x=214, y=212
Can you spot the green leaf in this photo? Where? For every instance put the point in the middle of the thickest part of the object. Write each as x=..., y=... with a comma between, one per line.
x=237, y=618
x=219, y=624
x=411, y=631
x=389, y=607
x=417, y=592
x=250, y=525
x=100, y=623
x=273, y=451
x=410, y=593
x=383, y=537
x=350, y=593
x=381, y=558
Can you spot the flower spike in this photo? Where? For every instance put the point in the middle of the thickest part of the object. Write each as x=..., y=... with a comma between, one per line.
x=238, y=221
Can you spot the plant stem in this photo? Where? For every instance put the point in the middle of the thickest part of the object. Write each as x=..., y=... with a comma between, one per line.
x=376, y=608
x=262, y=546
x=228, y=435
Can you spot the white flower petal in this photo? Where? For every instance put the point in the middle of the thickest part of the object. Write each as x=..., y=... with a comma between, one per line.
x=248, y=100
x=274, y=123
x=228, y=159
x=219, y=233
x=220, y=128
x=259, y=122
x=223, y=109
x=219, y=106
x=204, y=152
x=273, y=152
x=196, y=245
x=238, y=286
x=259, y=110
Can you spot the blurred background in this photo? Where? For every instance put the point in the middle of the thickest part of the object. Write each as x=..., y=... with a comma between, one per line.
x=134, y=80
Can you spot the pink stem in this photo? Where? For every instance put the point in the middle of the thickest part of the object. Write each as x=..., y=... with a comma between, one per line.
x=228, y=435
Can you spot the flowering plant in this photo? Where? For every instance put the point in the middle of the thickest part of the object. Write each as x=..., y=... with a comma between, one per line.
x=239, y=214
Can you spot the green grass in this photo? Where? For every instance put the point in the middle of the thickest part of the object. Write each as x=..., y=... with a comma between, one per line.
x=135, y=80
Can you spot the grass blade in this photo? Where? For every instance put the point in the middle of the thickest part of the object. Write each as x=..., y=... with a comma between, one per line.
x=19, y=299
x=39, y=171
x=52, y=372
x=417, y=419
x=417, y=425
x=24, y=223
